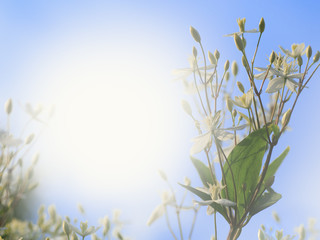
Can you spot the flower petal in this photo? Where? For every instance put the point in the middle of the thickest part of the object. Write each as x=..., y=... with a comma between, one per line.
x=251, y=31
x=156, y=214
x=240, y=127
x=226, y=202
x=291, y=84
x=223, y=135
x=200, y=143
x=275, y=85
x=295, y=75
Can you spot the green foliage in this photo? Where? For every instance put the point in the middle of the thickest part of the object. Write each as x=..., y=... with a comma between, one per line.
x=266, y=200
x=275, y=164
x=245, y=164
x=204, y=172
x=204, y=196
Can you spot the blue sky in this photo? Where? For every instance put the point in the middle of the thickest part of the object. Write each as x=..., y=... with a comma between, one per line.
x=107, y=65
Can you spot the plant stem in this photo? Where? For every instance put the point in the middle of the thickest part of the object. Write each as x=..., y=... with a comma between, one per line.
x=193, y=223
x=215, y=226
x=169, y=226
x=179, y=223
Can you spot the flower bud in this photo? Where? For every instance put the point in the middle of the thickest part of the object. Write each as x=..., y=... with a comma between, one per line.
x=106, y=226
x=229, y=104
x=276, y=217
x=261, y=235
x=301, y=231
x=309, y=52
x=163, y=175
x=241, y=24
x=186, y=107
x=262, y=25
x=272, y=57
x=299, y=59
x=279, y=234
x=194, y=52
x=238, y=42
x=212, y=59
x=286, y=117
x=35, y=158
x=227, y=77
x=66, y=228
x=244, y=41
x=234, y=68
x=216, y=54
x=240, y=118
x=29, y=139
x=8, y=106
x=74, y=236
x=244, y=62
x=240, y=86
x=195, y=34
x=187, y=181
x=316, y=57
x=226, y=66
x=234, y=114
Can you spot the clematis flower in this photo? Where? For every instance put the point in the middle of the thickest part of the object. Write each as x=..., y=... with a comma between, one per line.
x=296, y=50
x=262, y=75
x=241, y=23
x=84, y=230
x=158, y=212
x=8, y=140
x=211, y=124
x=245, y=100
x=284, y=77
x=184, y=73
x=214, y=192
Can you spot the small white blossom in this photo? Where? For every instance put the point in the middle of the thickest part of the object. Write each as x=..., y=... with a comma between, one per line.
x=241, y=23
x=284, y=77
x=245, y=100
x=296, y=50
x=8, y=140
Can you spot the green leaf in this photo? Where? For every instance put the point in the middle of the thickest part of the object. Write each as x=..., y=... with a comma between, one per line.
x=203, y=171
x=275, y=164
x=206, y=197
x=266, y=200
x=245, y=162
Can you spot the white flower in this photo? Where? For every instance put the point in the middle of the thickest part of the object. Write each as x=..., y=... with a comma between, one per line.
x=245, y=100
x=8, y=140
x=284, y=77
x=158, y=212
x=214, y=192
x=211, y=125
x=241, y=23
x=184, y=73
x=33, y=112
x=84, y=230
x=261, y=76
x=296, y=50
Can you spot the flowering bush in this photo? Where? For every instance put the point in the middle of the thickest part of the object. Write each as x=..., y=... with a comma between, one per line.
x=237, y=135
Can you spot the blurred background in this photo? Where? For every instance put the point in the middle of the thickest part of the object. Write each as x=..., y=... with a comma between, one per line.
x=107, y=66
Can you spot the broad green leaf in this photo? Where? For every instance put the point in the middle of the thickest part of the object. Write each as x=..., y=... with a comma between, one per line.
x=206, y=197
x=266, y=200
x=245, y=162
x=275, y=164
x=203, y=171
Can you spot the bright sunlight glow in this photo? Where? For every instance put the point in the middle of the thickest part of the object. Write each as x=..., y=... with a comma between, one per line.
x=113, y=126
